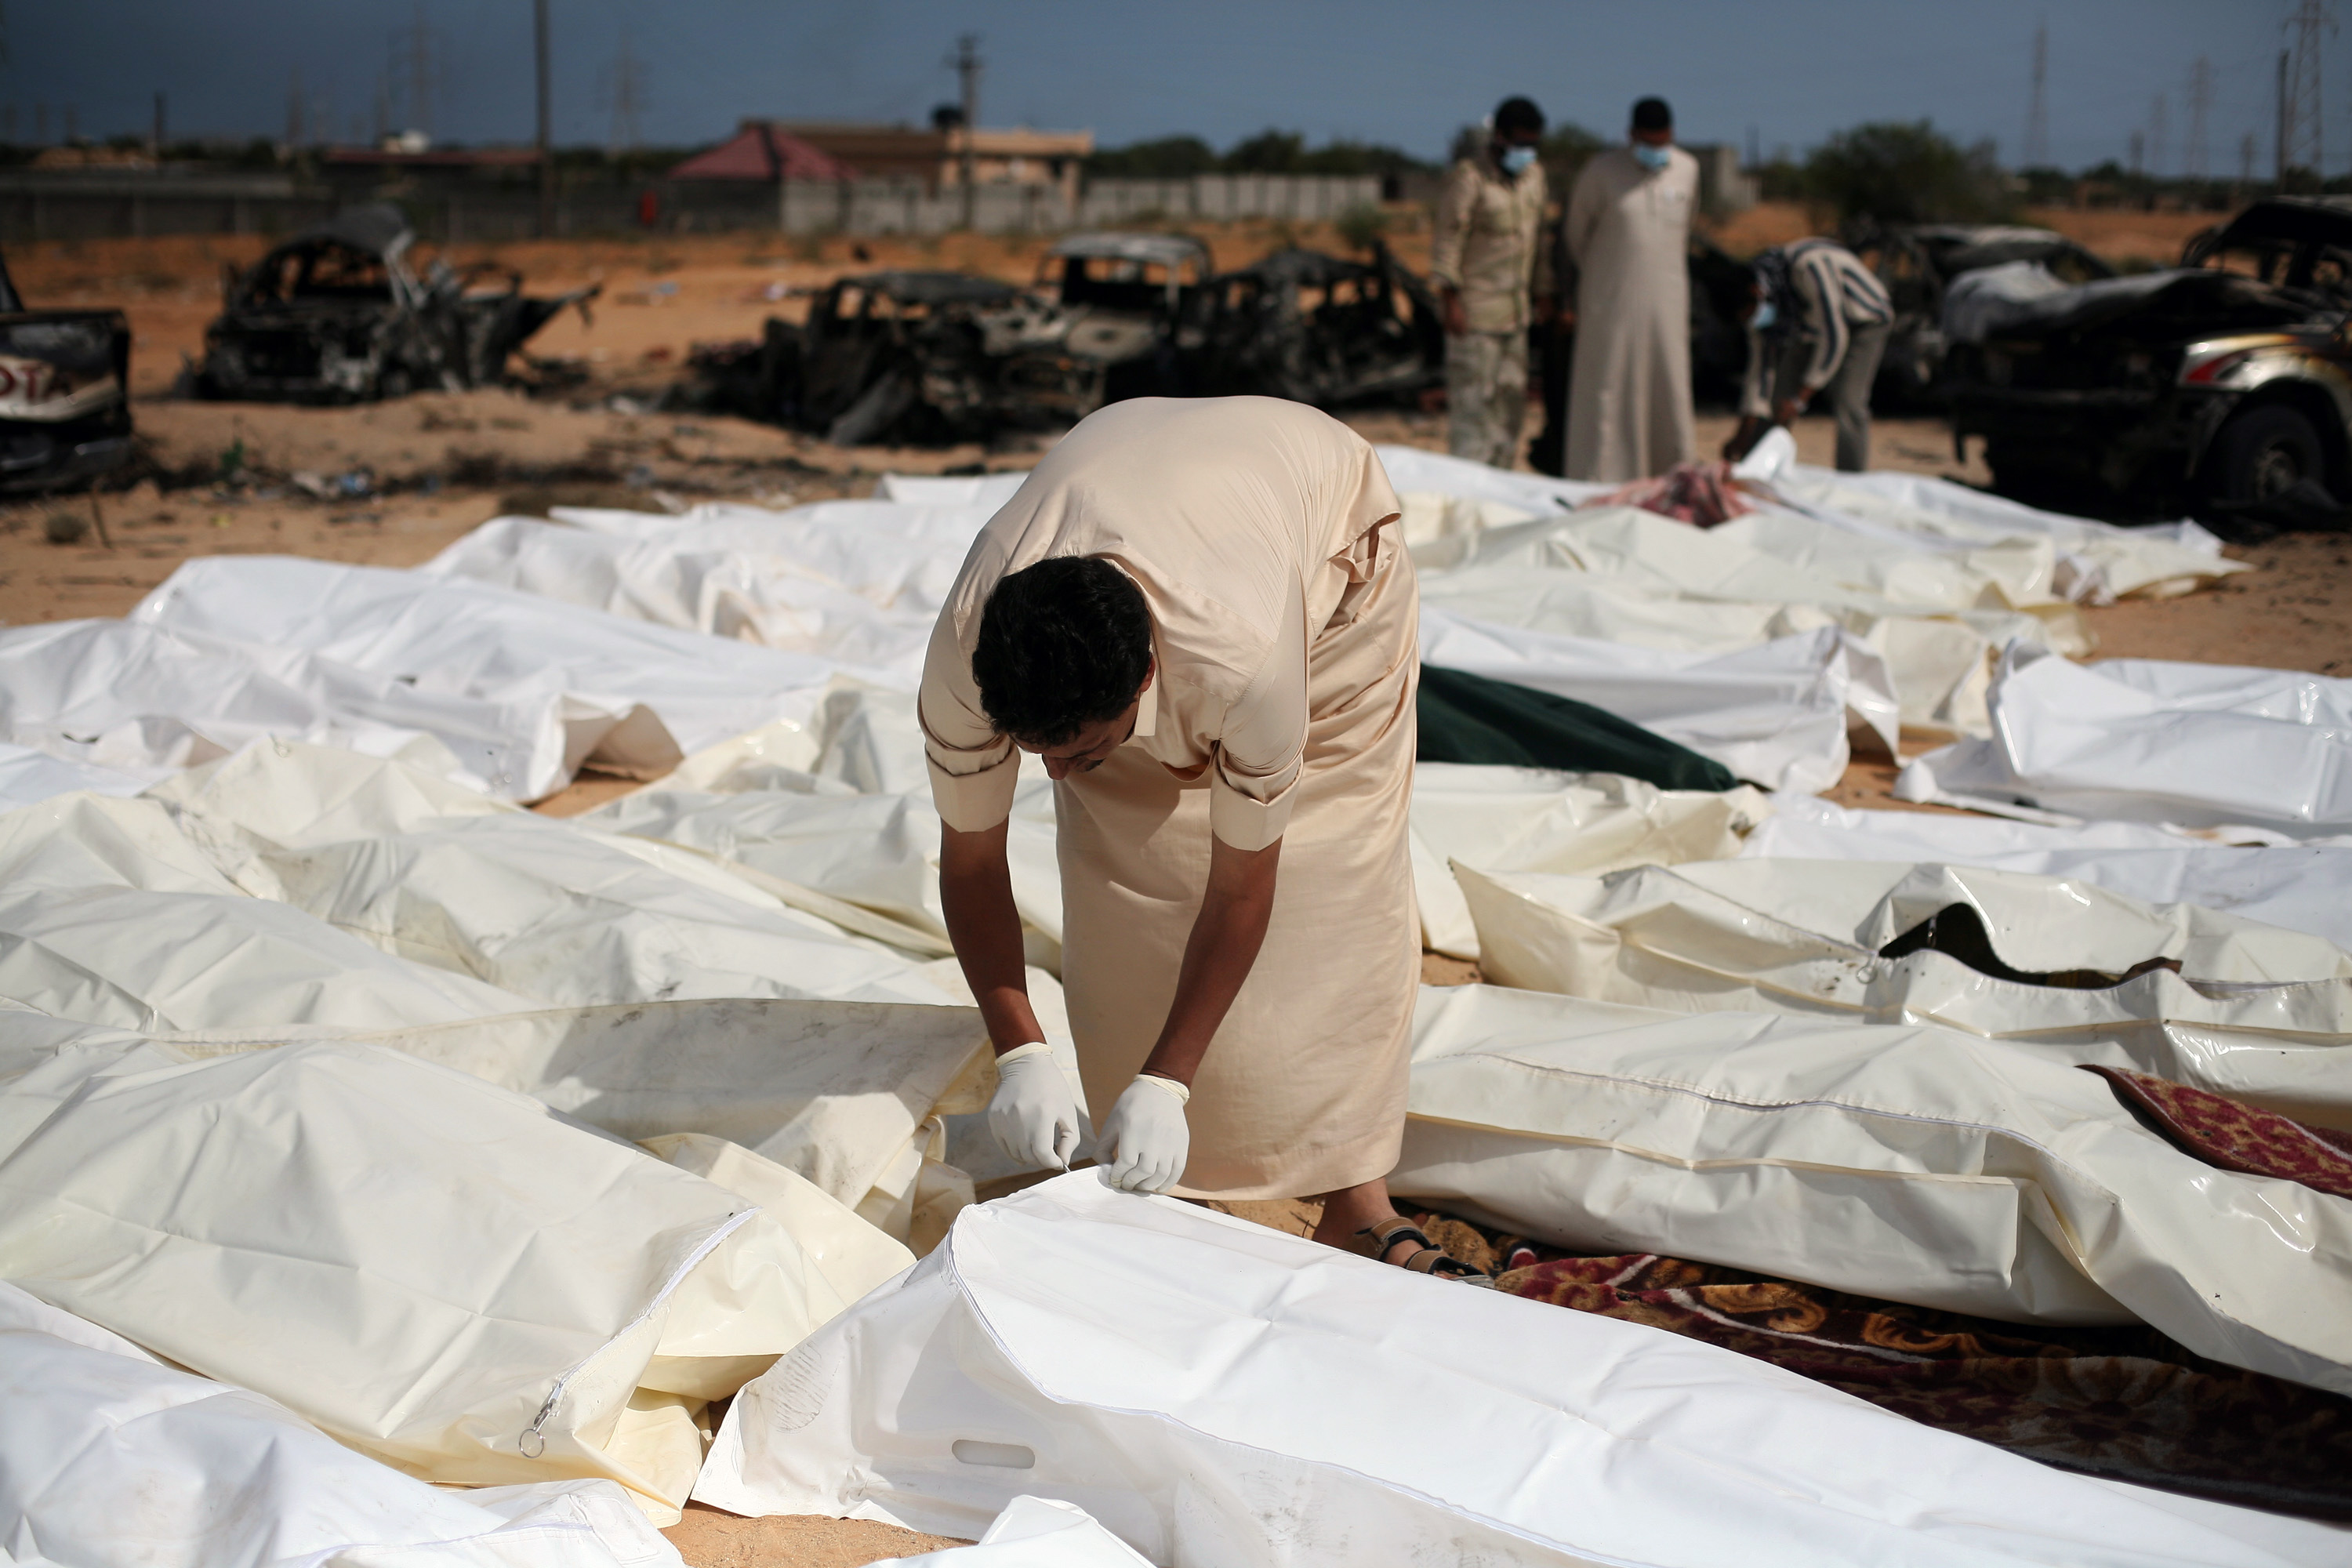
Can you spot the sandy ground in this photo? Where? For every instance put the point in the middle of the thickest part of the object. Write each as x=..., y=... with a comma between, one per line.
x=665, y=292
x=392, y=485
x=709, y=1538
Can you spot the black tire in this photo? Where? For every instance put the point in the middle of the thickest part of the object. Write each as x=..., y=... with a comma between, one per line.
x=2263, y=453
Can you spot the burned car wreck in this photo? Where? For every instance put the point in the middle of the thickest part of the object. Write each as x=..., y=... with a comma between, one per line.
x=2223, y=386
x=1315, y=328
x=1920, y=262
x=340, y=314
x=65, y=409
x=938, y=357
x=909, y=358
x=1128, y=297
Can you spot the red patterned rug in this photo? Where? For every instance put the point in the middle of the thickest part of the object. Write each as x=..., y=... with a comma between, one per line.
x=2127, y=1403
x=2238, y=1137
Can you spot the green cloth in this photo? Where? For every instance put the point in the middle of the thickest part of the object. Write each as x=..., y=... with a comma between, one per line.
x=1467, y=717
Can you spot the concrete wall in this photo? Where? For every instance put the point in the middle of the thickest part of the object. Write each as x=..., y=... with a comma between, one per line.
x=101, y=204
x=1306, y=199
x=1723, y=188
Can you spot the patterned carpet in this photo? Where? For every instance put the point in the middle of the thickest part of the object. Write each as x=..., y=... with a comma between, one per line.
x=2125, y=1403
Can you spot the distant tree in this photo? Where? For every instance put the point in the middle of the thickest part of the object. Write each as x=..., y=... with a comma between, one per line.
x=1564, y=151
x=1169, y=158
x=1898, y=171
x=2046, y=186
x=1270, y=151
x=1362, y=227
x=1782, y=180
x=1359, y=158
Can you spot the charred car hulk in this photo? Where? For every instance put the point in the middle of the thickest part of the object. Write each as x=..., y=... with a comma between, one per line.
x=339, y=315
x=2223, y=386
x=939, y=357
x=65, y=417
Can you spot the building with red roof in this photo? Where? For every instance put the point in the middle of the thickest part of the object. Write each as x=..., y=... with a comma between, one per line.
x=760, y=149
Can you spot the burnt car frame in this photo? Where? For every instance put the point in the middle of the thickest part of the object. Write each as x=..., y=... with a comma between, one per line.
x=2219, y=387
x=934, y=358
x=909, y=358
x=1126, y=295
x=340, y=314
x=1919, y=262
x=1314, y=328
x=65, y=409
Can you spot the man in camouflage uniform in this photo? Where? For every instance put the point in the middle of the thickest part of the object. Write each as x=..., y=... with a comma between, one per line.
x=1492, y=273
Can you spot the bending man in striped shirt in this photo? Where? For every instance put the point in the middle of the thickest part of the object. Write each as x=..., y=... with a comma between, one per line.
x=1817, y=322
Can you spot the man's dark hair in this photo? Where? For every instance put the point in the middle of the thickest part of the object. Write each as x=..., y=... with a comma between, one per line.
x=1516, y=114
x=1063, y=645
x=1652, y=114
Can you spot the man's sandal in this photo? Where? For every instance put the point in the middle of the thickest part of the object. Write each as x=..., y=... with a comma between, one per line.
x=1375, y=1240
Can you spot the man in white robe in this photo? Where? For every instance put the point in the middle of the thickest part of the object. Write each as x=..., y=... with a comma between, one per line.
x=1629, y=410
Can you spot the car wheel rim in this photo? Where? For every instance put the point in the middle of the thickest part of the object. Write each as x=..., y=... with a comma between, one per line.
x=2275, y=470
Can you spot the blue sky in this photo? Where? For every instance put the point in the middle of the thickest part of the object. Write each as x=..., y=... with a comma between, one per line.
x=1381, y=71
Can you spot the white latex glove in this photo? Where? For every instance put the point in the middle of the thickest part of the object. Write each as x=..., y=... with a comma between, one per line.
x=1145, y=1141
x=1032, y=1113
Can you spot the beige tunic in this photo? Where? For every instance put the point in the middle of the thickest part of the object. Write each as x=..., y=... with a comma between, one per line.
x=1283, y=625
x=1628, y=407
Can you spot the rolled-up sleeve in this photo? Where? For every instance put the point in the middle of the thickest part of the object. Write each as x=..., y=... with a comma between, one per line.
x=1256, y=780
x=973, y=769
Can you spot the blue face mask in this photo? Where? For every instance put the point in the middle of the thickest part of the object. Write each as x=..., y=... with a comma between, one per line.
x=1652, y=157
x=1517, y=160
x=1765, y=316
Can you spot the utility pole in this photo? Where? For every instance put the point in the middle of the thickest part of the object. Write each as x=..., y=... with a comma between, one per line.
x=2301, y=145
x=628, y=96
x=2200, y=99
x=966, y=63
x=2037, y=117
x=420, y=77
x=2138, y=154
x=546, y=153
x=294, y=111
x=2159, y=137
x=2285, y=113
x=2246, y=149
x=155, y=138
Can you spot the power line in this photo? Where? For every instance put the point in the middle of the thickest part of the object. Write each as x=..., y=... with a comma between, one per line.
x=2200, y=99
x=2037, y=117
x=2302, y=143
x=546, y=153
x=417, y=68
x=966, y=63
x=626, y=88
